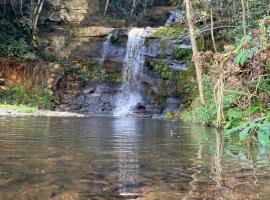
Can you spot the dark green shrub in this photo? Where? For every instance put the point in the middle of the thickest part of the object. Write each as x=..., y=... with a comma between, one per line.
x=12, y=44
x=25, y=96
x=181, y=53
x=162, y=69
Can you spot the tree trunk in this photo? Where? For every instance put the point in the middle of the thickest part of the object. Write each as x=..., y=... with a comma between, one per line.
x=195, y=51
x=134, y=5
x=212, y=31
x=21, y=8
x=244, y=19
x=35, y=18
x=106, y=7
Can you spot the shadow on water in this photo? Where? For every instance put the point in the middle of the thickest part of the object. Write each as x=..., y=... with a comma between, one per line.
x=126, y=158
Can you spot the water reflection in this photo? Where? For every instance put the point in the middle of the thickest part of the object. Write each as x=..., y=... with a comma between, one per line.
x=126, y=138
x=217, y=166
x=111, y=158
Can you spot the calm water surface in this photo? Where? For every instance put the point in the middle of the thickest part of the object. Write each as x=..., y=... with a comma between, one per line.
x=111, y=158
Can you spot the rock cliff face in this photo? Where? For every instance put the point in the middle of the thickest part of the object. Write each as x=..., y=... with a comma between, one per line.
x=93, y=87
x=74, y=11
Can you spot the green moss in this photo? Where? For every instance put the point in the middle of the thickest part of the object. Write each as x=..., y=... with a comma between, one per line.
x=168, y=32
x=163, y=49
x=185, y=83
x=162, y=69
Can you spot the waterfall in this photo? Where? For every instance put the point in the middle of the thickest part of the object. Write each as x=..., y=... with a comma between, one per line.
x=135, y=58
x=133, y=69
x=174, y=18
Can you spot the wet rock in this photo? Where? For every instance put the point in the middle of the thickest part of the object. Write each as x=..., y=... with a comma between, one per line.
x=140, y=107
x=172, y=105
x=66, y=98
x=89, y=90
x=107, y=107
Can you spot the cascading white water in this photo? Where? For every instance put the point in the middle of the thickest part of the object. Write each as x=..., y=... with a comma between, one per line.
x=135, y=58
x=133, y=69
x=174, y=18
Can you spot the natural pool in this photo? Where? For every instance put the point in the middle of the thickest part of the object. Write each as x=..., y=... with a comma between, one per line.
x=126, y=158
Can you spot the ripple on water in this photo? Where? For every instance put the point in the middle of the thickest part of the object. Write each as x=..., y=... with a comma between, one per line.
x=113, y=158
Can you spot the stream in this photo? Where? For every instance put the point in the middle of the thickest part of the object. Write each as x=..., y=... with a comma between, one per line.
x=126, y=158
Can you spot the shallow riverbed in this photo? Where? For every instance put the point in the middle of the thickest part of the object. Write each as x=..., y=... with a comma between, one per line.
x=125, y=158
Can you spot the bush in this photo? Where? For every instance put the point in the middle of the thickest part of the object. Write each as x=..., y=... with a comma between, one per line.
x=12, y=44
x=257, y=130
x=181, y=53
x=162, y=69
x=86, y=69
x=23, y=95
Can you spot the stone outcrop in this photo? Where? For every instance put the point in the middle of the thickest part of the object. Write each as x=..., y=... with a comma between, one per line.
x=92, y=31
x=74, y=11
x=75, y=40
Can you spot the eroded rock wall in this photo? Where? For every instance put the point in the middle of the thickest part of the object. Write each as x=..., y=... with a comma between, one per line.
x=74, y=11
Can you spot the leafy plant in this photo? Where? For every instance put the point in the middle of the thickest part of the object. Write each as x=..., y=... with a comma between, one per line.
x=23, y=95
x=251, y=43
x=163, y=69
x=258, y=129
x=180, y=53
x=246, y=49
x=13, y=44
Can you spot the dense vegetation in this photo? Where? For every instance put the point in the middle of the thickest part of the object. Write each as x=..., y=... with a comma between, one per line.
x=235, y=79
x=231, y=51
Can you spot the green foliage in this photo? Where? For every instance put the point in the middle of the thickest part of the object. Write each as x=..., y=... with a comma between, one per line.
x=12, y=44
x=258, y=130
x=265, y=84
x=185, y=81
x=168, y=32
x=87, y=69
x=181, y=53
x=163, y=69
x=234, y=116
x=23, y=95
x=246, y=49
x=207, y=114
x=252, y=43
x=202, y=114
x=240, y=117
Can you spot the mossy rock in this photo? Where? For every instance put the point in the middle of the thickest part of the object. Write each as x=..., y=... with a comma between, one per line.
x=169, y=32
